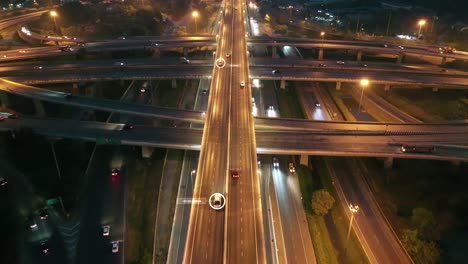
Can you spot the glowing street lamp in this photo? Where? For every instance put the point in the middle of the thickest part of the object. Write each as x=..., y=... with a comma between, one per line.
x=54, y=14
x=364, y=83
x=354, y=209
x=195, y=15
x=421, y=23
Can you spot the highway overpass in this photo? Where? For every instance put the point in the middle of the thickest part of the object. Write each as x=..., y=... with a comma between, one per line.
x=449, y=146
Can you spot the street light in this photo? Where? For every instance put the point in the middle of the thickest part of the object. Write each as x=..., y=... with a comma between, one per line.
x=354, y=209
x=195, y=16
x=322, y=34
x=364, y=83
x=54, y=14
x=421, y=23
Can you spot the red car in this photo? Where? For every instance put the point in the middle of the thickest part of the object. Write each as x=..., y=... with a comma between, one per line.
x=2, y=118
x=235, y=174
x=13, y=116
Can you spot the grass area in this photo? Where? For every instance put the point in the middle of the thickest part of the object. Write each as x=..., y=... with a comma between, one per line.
x=288, y=103
x=430, y=106
x=337, y=98
x=143, y=190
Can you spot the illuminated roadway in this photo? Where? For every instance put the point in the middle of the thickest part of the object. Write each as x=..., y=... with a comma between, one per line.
x=235, y=233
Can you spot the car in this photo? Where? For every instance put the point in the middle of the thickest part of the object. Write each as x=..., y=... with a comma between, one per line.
x=2, y=118
x=118, y=63
x=43, y=213
x=37, y=68
x=65, y=48
x=363, y=65
x=68, y=96
x=31, y=223
x=45, y=248
x=271, y=108
x=276, y=72
x=115, y=246
x=128, y=126
x=105, y=230
x=121, y=38
x=204, y=91
x=384, y=46
x=417, y=149
x=13, y=116
x=228, y=55
x=322, y=65
x=142, y=90
x=184, y=60
x=292, y=168
x=242, y=84
x=275, y=162
x=217, y=201
x=22, y=51
x=220, y=63
x=340, y=62
x=235, y=174
x=444, y=70
x=317, y=104
x=3, y=182
x=115, y=173
x=401, y=47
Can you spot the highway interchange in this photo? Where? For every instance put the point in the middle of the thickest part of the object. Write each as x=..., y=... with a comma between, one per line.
x=240, y=225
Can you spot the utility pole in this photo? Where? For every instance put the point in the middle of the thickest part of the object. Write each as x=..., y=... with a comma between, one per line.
x=388, y=23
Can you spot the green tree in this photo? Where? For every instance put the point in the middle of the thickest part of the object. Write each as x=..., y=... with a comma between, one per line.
x=421, y=251
x=322, y=202
x=422, y=219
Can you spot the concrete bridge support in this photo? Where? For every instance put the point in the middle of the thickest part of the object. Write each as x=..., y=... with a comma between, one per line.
x=283, y=84
x=444, y=59
x=39, y=108
x=4, y=100
x=388, y=163
x=359, y=55
x=146, y=152
x=387, y=87
x=400, y=58
x=185, y=52
x=320, y=55
x=305, y=160
x=338, y=86
x=274, y=52
x=174, y=83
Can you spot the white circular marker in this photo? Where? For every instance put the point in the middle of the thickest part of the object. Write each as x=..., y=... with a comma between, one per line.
x=217, y=201
x=220, y=63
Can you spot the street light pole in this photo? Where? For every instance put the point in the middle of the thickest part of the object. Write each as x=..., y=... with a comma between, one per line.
x=354, y=209
x=195, y=16
x=53, y=14
x=421, y=23
x=364, y=83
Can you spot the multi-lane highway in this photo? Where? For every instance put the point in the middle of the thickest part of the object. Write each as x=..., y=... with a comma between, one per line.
x=233, y=234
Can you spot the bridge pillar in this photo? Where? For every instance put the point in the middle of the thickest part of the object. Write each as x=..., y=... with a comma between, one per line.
x=146, y=151
x=359, y=55
x=320, y=55
x=174, y=83
x=400, y=58
x=338, y=86
x=274, y=52
x=5, y=101
x=283, y=84
x=185, y=52
x=435, y=89
x=444, y=59
x=39, y=108
x=305, y=160
x=388, y=163
x=387, y=87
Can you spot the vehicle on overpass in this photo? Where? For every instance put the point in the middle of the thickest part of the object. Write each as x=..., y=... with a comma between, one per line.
x=65, y=48
x=275, y=162
x=417, y=149
x=143, y=87
x=235, y=174
x=292, y=168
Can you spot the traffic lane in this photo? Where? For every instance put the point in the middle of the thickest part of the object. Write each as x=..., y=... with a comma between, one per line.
x=93, y=246
x=383, y=246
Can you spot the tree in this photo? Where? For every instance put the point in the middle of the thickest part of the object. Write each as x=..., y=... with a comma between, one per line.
x=422, y=219
x=322, y=202
x=421, y=251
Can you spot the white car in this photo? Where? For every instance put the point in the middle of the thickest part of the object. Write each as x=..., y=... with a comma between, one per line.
x=242, y=84
x=217, y=201
x=115, y=246
x=275, y=163
x=105, y=230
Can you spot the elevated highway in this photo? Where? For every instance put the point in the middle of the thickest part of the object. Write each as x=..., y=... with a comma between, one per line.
x=449, y=146
x=276, y=124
